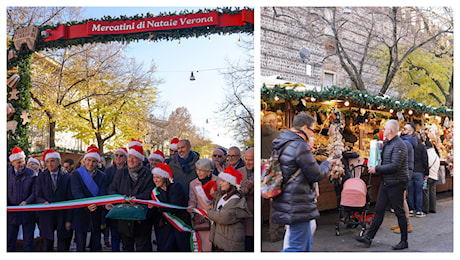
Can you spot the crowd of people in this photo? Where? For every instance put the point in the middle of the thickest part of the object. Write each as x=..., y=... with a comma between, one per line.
x=408, y=169
x=222, y=187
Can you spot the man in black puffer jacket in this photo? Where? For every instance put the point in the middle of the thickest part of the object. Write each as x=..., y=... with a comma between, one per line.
x=296, y=205
x=394, y=173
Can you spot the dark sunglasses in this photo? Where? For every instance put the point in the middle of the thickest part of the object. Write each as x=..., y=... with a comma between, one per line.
x=217, y=155
x=119, y=155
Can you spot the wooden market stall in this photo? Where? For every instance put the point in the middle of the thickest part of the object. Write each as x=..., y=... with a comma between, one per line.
x=361, y=116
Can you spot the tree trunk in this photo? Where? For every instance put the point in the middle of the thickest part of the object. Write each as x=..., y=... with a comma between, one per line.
x=52, y=129
x=100, y=142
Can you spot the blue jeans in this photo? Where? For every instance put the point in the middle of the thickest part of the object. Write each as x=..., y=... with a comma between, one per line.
x=415, y=192
x=298, y=238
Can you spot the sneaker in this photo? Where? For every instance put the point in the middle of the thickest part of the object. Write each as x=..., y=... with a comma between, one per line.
x=411, y=213
x=420, y=215
x=400, y=245
x=398, y=230
x=392, y=210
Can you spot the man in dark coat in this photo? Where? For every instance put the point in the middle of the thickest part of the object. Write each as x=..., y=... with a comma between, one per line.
x=183, y=165
x=119, y=162
x=134, y=181
x=394, y=173
x=296, y=206
x=53, y=185
x=21, y=191
x=86, y=182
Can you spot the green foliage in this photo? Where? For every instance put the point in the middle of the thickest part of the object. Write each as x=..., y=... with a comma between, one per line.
x=355, y=97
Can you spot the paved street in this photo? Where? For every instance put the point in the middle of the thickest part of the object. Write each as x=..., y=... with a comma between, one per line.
x=433, y=233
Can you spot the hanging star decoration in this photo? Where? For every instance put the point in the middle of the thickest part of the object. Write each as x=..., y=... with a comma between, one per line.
x=25, y=117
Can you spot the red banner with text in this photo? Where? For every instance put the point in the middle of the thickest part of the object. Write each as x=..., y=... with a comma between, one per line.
x=151, y=24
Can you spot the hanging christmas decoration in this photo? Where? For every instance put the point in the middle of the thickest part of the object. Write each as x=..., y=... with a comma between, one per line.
x=25, y=117
x=14, y=94
x=336, y=146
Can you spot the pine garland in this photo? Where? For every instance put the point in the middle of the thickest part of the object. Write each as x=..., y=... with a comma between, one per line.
x=355, y=97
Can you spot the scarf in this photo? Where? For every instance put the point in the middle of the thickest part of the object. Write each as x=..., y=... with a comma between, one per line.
x=185, y=162
x=134, y=172
x=205, y=180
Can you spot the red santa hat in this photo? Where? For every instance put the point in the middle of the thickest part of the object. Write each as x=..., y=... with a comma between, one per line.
x=50, y=153
x=164, y=171
x=204, y=191
x=157, y=155
x=93, y=152
x=16, y=154
x=134, y=142
x=210, y=185
x=123, y=150
x=232, y=176
x=174, y=143
x=32, y=159
x=138, y=151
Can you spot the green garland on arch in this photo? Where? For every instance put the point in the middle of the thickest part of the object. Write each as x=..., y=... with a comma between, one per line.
x=167, y=35
x=355, y=97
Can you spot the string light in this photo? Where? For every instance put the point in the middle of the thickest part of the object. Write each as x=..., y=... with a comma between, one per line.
x=346, y=103
x=410, y=112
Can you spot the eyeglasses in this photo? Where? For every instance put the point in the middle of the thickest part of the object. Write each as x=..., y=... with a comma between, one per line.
x=172, y=151
x=217, y=155
x=119, y=155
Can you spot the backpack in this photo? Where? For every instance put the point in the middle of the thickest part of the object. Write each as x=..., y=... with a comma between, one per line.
x=272, y=177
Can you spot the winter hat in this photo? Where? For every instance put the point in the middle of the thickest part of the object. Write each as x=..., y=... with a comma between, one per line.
x=32, y=159
x=223, y=150
x=164, y=171
x=207, y=188
x=93, y=152
x=134, y=142
x=17, y=154
x=232, y=176
x=174, y=143
x=157, y=155
x=138, y=151
x=50, y=153
x=123, y=150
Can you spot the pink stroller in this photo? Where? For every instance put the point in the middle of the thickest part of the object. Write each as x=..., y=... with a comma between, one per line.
x=355, y=201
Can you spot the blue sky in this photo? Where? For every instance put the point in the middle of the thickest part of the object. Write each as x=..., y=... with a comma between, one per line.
x=175, y=62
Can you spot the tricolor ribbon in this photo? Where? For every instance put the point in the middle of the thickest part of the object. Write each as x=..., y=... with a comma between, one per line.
x=112, y=199
x=99, y=201
x=180, y=225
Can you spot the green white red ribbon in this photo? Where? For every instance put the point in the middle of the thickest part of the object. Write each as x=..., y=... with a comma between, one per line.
x=180, y=225
x=112, y=199
x=99, y=201
x=70, y=204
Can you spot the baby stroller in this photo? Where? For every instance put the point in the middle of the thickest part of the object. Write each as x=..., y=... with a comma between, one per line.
x=355, y=201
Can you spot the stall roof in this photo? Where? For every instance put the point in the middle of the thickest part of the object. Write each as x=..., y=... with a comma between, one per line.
x=272, y=81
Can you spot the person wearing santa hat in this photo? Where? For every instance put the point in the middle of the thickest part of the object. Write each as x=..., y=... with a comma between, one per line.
x=229, y=213
x=172, y=149
x=134, y=181
x=87, y=181
x=53, y=185
x=169, y=238
x=119, y=162
x=33, y=164
x=20, y=191
x=156, y=158
x=202, y=193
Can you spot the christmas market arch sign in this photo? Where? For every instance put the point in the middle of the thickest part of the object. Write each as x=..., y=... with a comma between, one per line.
x=165, y=26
